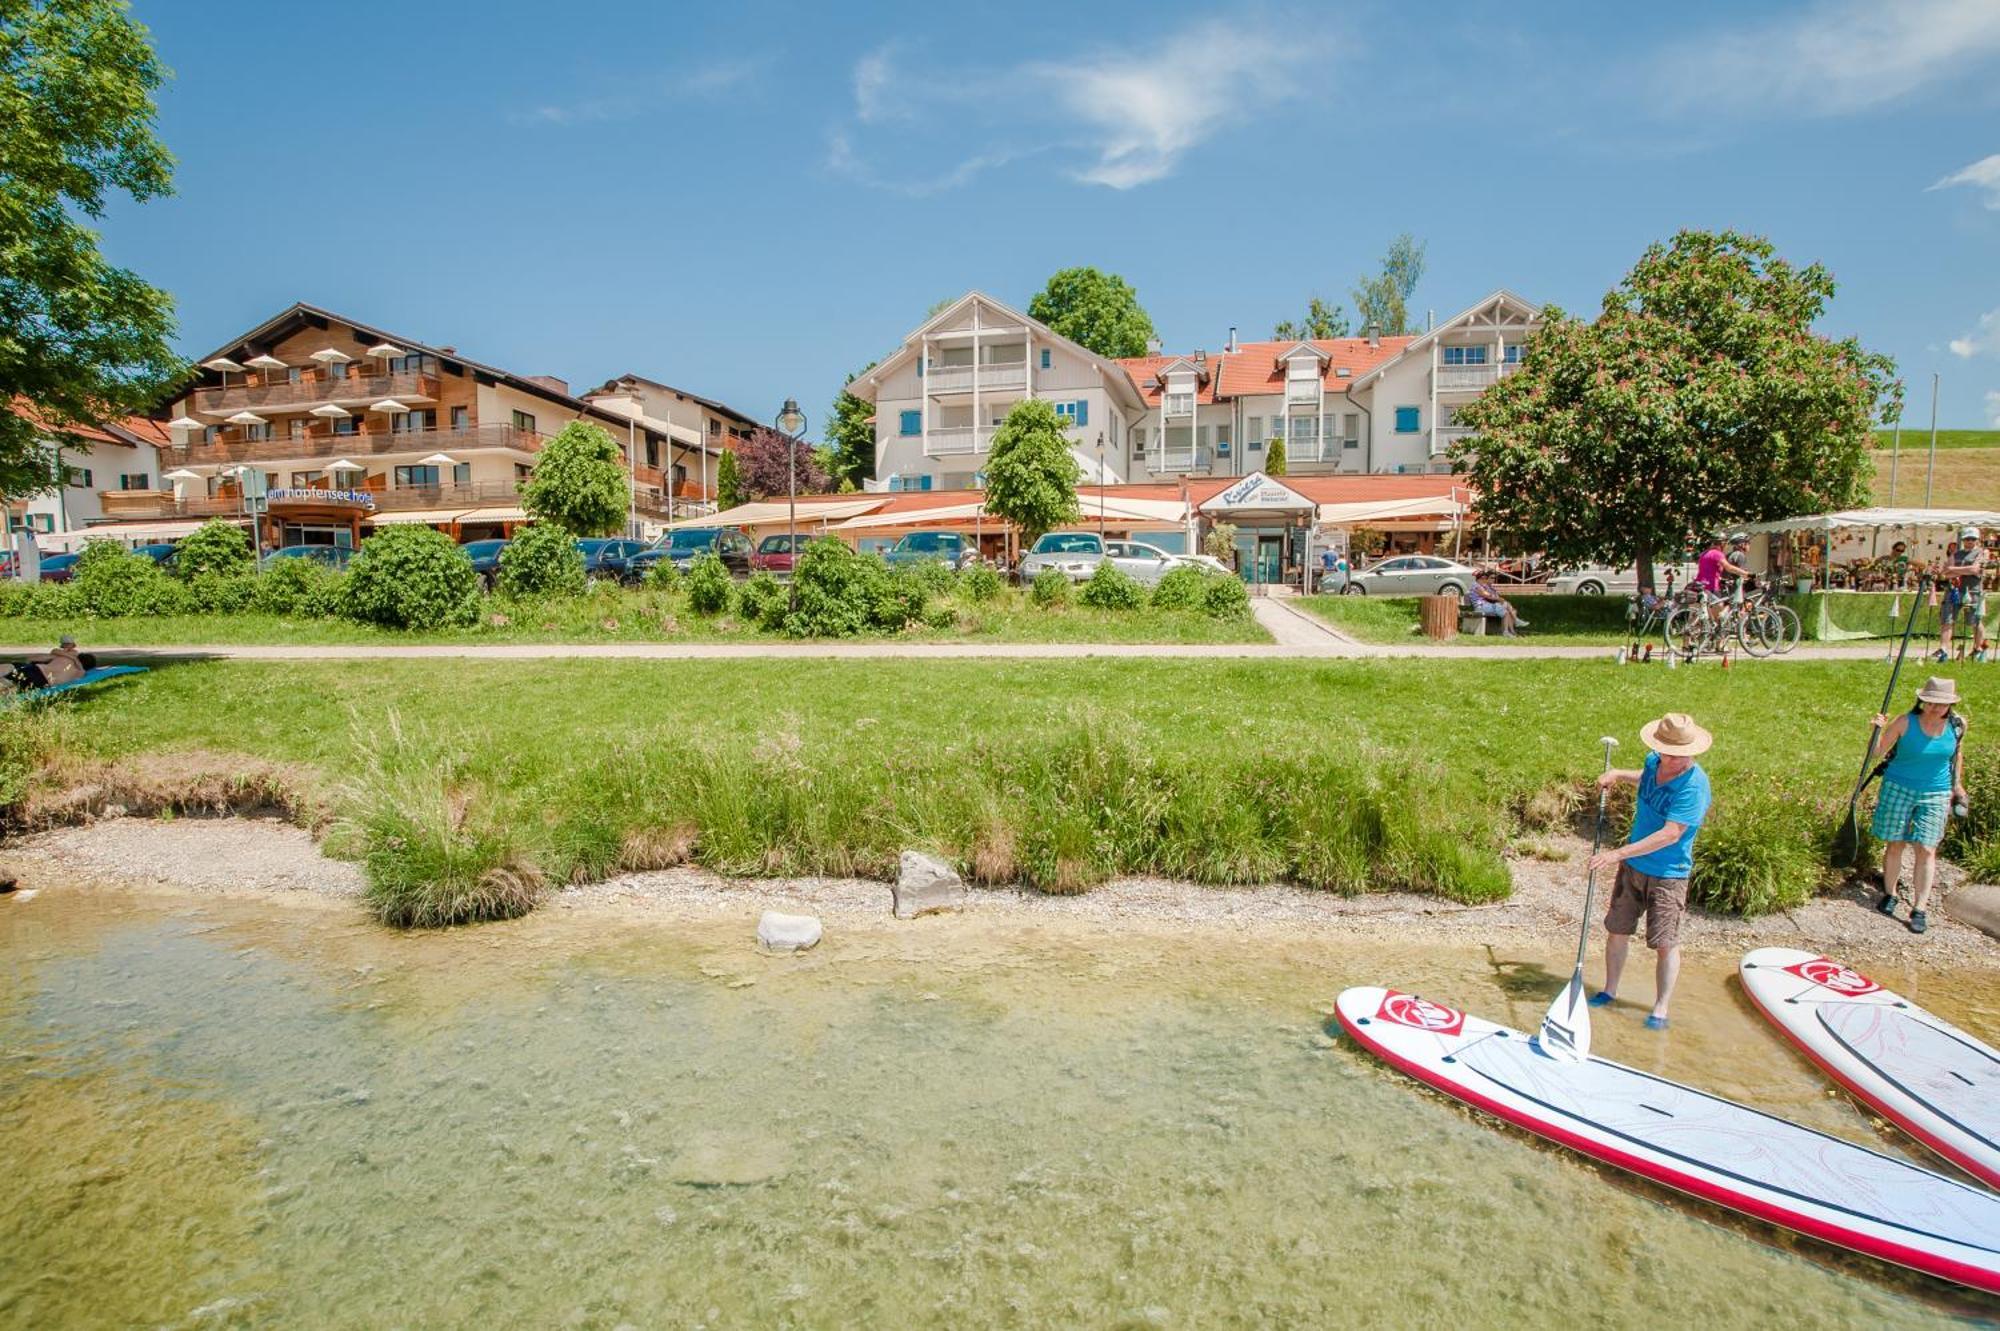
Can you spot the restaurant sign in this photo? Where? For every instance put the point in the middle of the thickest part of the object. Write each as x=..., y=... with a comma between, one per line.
x=1258, y=491
x=309, y=495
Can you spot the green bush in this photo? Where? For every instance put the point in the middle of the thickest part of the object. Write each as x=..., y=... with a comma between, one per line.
x=542, y=561
x=836, y=591
x=979, y=584
x=299, y=588
x=762, y=600
x=1049, y=588
x=708, y=585
x=1111, y=588
x=1973, y=842
x=412, y=577
x=1764, y=851
x=222, y=593
x=664, y=575
x=215, y=548
x=933, y=576
x=1227, y=598
x=110, y=581
x=1184, y=588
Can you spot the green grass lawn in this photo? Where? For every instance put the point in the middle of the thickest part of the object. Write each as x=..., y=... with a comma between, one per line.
x=1343, y=775
x=1918, y=437
x=1966, y=476
x=1570, y=621
x=610, y=614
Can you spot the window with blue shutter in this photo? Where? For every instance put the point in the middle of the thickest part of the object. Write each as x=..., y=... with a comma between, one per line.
x=1045, y=358
x=1083, y=411
x=927, y=482
x=1407, y=420
x=913, y=422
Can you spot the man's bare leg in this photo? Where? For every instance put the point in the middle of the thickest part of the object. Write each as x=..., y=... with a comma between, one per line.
x=1615, y=948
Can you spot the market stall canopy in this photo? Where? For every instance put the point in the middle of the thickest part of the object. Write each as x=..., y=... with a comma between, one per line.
x=1376, y=510
x=1882, y=517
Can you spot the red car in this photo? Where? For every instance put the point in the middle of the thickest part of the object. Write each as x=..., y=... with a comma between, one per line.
x=774, y=554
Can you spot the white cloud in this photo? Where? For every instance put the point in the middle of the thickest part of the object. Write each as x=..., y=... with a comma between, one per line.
x=1832, y=57
x=1983, y=174
x=1983, y=340
x=1121, y=118
x=694, y=81
x=1993, y=408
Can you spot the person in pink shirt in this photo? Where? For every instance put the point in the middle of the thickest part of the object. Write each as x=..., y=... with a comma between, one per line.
x=1714, y=564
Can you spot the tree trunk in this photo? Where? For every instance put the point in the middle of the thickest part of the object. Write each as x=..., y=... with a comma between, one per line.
x=1439, y=616
x=1645, y=563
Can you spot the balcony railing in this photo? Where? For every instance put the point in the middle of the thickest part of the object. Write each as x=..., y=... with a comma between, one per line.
x=957, y=440
x=316, y=444
x=315, y=389
x=1315, y=450
x=1472, y=378
x=1301, y=390
x=1445, y=436
x=1177, y=460
x=960, y=378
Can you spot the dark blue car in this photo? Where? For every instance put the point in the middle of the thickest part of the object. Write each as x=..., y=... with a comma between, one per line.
x=608, y=557
x=485, y=557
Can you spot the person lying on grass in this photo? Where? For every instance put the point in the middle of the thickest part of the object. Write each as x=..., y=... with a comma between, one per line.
x=1657, y=858
x=1923, y=776
x=1488, y=603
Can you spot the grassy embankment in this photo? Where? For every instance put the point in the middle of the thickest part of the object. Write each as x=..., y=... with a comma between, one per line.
x=1967, y=472
x=612, y=614
x=469, y=800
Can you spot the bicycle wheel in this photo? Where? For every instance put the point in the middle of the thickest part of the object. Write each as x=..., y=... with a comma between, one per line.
x=1683, y=629
x=1787, y=630
x=1753, y=632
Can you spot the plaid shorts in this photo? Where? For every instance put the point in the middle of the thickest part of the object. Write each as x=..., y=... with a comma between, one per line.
x=1972, y=600
x=1902, y=814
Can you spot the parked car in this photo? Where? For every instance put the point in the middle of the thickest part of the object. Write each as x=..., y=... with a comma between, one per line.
x=162, y=553
x=1074, y=554
x=485, y=557
x=690, y=543
x=59, y=568
x=1599, y=579
x=1411, y=575
x=608, y=557
x=775, y=554
x=1206, y=563
x=921, y=547
x=333, y=556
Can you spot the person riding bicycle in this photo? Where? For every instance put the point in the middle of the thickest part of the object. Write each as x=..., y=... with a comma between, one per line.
x=1964, y=593
x=1714, y=564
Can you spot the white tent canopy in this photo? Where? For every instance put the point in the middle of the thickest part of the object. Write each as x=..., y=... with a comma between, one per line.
x=1373, y=510
x=910, y=517
x=1882, y=517
x=1129, y=509
x=765, y=512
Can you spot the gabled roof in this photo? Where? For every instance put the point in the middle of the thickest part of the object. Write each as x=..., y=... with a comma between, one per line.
x=721, y=408
x=1112, y=372
x=1311, y=348
x=1256, y=368
x=127, y=432
x=1487, y=307
x=1149, y=374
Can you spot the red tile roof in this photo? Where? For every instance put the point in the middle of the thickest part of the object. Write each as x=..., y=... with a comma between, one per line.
x=1253, y=368
x=120, y=432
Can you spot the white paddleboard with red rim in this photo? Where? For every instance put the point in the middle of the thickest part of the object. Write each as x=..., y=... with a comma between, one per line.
x=1697, y=1143
x=1929, y=1078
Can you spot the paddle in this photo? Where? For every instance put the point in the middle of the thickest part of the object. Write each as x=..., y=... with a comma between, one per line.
x=1847, y=841
x=1565, y=1030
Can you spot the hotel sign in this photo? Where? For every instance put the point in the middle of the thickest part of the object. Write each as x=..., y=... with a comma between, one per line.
x=309, y=495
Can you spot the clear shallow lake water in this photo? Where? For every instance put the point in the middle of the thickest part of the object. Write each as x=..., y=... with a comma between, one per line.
x=222, y=1114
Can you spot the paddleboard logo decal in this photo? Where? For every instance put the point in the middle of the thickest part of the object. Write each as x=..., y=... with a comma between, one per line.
x=1830, y=974
x=1424, y=1015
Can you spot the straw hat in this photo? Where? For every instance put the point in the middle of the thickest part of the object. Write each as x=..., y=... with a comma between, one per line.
x=1675, y=735
x=1938, y=689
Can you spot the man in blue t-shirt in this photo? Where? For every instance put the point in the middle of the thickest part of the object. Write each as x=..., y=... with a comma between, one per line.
x=1656, y=859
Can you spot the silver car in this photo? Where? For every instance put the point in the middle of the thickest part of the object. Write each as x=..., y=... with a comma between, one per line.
x=1598, y=579
x=1412, y=575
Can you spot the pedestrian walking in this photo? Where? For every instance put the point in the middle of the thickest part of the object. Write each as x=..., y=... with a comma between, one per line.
x=1922, y=756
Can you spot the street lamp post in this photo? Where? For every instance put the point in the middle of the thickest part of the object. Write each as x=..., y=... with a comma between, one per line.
x=1100, y=489
x=792, y=424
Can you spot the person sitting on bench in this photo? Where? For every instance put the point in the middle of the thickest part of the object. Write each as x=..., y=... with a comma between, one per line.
x=1488, y=603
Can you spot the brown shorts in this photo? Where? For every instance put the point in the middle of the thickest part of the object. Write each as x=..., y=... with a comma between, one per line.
x=1661, y=900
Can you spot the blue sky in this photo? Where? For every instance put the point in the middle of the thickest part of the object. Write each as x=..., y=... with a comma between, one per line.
x=751, y=200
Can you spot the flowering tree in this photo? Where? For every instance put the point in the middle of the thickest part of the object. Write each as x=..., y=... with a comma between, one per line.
x=1700, y=397
x=762, y=470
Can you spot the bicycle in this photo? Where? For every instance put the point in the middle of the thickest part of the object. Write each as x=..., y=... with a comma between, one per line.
x=1692, y=631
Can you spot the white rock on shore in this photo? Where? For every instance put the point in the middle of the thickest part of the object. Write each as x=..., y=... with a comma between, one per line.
x=926, y=883
x=787, y=933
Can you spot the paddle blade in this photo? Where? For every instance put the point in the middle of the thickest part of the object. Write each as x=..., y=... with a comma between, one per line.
x=1847, y=842
x=1565, y=1032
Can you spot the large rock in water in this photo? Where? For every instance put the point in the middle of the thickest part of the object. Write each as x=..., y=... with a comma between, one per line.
x=787, y=933
x=926, y=883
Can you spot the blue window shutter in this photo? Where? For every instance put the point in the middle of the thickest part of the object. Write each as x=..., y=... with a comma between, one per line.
x=927, y=481
x=1083, y=411
x=1045, y=358
x=913, y=422
x=1407, y=420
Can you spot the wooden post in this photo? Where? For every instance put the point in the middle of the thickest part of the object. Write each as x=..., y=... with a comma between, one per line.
x=1439, y=617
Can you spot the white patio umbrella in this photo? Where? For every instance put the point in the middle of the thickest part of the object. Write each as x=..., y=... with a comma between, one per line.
x=330, y=412
x=385, y=350
x=181, y=474
x=266, y=362
x=343, y=465
x=223, y=366
x=390, y=405
x=438, y=460
x=331, y=356
x=186, y=423
x=247, y=418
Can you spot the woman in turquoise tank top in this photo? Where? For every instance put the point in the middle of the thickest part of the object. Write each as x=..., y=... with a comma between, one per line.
x=1925, y=773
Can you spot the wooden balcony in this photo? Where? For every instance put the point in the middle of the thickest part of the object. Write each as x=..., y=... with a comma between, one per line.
x=324, y=444
x=315, y=388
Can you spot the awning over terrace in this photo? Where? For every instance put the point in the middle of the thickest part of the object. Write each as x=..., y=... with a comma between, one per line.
x=1432, y=512
x=130, y=531
x=764, y=512
x=1882, y=517
x=1114, y=508
x=421, y=515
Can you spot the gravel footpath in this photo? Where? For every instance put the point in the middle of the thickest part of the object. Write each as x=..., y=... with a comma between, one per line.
x=268, y=858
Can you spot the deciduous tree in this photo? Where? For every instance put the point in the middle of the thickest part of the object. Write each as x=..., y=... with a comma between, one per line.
x=81, y=340
x=1384, y=299
x=1097, y=310
x=761, y=461
x=1699, y=397
x=579, y=482
x=1031, y=474
x=1321, y=321
x=850, y=436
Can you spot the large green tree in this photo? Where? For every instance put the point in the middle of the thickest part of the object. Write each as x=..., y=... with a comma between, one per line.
x=850, y=436
x=1700, y=396
x=81, y=340
x=1031, y=474
x=1098, y=310
x=1384, y=299
x=1321, y=320
x=579, y=482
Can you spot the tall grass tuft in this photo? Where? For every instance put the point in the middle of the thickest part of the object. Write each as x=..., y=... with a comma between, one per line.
x=1763, y=851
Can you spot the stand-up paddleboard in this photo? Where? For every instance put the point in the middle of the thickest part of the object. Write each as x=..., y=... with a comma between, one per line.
x=1699, y=1144
x=1919, y=1071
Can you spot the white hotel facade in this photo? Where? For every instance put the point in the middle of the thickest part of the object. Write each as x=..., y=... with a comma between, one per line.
x=1350, y=405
